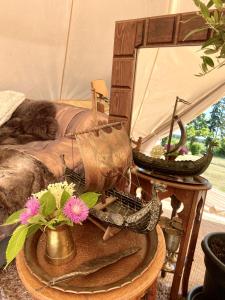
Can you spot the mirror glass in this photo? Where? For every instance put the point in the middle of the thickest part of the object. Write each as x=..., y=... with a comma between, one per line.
x=161, y=75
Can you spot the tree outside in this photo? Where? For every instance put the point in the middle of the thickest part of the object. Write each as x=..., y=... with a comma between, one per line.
x=207, y=127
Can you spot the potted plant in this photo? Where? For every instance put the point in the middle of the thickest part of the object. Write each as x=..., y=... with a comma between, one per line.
x=213, y=246
x=53, y=211
x=213, y=48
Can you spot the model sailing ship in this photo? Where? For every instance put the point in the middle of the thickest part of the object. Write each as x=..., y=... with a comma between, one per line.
x=168, y=167
x=106, y=157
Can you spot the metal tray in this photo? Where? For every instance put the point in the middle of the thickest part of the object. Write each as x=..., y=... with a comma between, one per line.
x=90, y=245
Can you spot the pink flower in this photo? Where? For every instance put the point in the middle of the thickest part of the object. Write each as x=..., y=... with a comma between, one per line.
x=31, y=209
x=183, y=150
x=76, y=210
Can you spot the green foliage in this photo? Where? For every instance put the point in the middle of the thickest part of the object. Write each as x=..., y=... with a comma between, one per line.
x=174, y=141
x=48, y=203
x=211, y=128
x=65, y=196
x=32, y=229
x=220, y=150
x=196, y=148
x=215, y=45
x=198, y=128
x=16, y=242
x=14, y=218
x=90, y=198
x=217, y=120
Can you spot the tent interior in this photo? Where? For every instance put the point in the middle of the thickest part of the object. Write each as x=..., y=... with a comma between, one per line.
x=53, y=49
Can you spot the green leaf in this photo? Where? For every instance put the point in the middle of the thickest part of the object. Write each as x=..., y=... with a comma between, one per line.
x=194, y=31
x=14, y=218
x=218, y=4
x=204, y=10
x=43, y=197
x=35, y=219
x=208, y=61
x=197, y=2
x=210, y=4
x=32, y=229
x=210, y=41
x=16, y=242
x=69, y=222
x=210, y=51
x=204, y=67
x=216, y=16
x=65, y=196
x=51, y=224
x=90, y=198
x=62, y=218
x=48, y=204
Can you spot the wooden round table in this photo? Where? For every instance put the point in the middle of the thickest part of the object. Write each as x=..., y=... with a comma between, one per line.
x=132, y=291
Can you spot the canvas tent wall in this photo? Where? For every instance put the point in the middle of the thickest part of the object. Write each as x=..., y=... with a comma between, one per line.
x=52, y=49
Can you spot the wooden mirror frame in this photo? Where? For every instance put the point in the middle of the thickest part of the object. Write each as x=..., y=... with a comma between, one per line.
x=131, y=35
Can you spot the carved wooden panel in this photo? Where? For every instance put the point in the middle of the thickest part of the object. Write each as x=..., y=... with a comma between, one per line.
x=123, y=72
x=125, y=35
x=192, y=24
x=161, y=30
x=140, y=29
x=122, y=102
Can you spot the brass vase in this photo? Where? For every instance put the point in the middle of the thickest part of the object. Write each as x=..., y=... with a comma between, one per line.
x=60, y=245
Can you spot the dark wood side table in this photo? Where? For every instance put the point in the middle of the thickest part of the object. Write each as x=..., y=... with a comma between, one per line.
x=193, y=198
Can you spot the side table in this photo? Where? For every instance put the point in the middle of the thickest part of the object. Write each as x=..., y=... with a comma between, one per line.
x=193, y=198
x=132, y=291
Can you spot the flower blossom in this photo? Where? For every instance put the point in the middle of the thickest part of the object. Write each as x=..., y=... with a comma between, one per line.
x=31, y=209
x=57, y=189
x=183, y=150
x=76, y=210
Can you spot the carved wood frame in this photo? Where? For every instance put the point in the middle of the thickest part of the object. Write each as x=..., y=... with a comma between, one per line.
x=130, y=35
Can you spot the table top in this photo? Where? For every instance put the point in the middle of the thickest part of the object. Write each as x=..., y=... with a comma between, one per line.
x=206, y=185
x=128, y=292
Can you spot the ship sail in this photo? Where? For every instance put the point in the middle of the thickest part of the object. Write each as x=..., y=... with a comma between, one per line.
x=106, y=154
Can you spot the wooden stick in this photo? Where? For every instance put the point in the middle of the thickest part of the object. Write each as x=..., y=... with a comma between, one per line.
x=94, y=129
x=108, y=201
x=97, y=224
x=94, y=106
x=171, y=125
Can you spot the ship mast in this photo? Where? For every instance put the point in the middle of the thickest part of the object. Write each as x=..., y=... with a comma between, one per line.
x=172, y=123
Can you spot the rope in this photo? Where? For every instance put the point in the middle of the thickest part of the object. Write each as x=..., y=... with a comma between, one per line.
x=66, y=51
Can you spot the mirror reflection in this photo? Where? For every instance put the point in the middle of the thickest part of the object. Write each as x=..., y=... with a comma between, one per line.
x=161, y=75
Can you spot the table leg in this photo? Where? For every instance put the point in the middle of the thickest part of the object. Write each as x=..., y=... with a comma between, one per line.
x=187, y=215
x=192, y=245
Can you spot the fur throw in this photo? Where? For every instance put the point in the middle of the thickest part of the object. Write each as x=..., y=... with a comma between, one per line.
x=31, y=121
x=21, y=175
